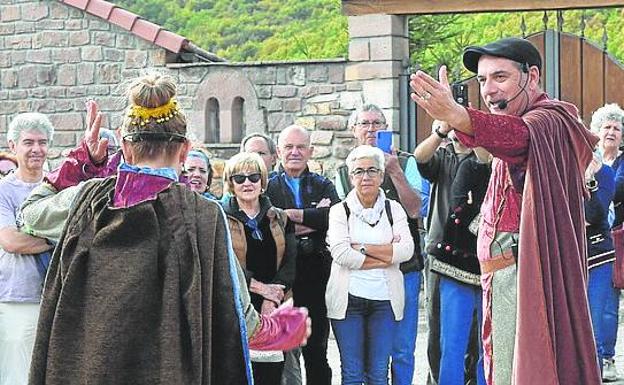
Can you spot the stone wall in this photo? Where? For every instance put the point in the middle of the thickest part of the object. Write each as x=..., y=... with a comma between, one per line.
x=54, y=57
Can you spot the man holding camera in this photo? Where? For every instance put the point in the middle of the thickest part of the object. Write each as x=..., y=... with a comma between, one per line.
x=402, y=183
x=531, y=243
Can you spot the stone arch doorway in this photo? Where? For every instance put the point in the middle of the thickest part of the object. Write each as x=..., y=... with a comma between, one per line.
x=225, y=108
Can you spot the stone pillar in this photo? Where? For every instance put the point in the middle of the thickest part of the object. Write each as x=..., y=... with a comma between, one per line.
x=378, y=52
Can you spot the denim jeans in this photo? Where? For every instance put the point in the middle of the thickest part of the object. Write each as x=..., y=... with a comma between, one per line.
x=601, y=295
x=404, y=342
x=458, y=303
x=364, y=340
x=610, y=318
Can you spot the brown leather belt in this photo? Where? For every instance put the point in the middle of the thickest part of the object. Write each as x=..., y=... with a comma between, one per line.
x=498, y=262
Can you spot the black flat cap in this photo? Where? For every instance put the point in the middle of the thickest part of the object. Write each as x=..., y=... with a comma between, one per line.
x=513, y=48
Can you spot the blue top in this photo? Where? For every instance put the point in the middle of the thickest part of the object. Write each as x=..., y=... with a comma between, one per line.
x=599, y=240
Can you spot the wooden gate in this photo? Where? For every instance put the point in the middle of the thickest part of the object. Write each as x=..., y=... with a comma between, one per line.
x=574, y=70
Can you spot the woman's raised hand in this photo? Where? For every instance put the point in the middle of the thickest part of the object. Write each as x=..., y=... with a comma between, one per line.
x=97, y=147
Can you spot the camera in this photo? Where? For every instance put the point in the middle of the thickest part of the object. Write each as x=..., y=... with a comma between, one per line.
x=460, y=93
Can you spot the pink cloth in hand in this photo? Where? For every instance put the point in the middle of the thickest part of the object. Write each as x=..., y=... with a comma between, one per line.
x=76, y=167
x=284, y=329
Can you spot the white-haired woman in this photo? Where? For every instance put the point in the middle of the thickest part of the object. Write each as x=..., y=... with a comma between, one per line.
x=368, y=238
x=607, y=122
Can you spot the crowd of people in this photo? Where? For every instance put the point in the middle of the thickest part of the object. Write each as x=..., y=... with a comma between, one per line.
x=121, y=266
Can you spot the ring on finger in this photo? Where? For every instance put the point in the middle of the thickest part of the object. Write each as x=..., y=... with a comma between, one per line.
x=426, y=95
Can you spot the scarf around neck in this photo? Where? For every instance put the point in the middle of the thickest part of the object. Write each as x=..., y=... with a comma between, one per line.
x=370, y=216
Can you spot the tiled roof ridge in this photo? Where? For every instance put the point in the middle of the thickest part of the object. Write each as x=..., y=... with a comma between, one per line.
x=134, y=23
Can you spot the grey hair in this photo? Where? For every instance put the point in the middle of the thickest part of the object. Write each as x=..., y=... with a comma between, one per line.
x=30, y=121
x=269, y=141
x=608, y=112
x=353, y=119
x=289, y=129
x=366, y=152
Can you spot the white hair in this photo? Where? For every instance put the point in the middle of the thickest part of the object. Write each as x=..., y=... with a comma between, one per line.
x=294, y=127
x=606, y=113
x=355, y=115
x=30, y=121
x=366, y=152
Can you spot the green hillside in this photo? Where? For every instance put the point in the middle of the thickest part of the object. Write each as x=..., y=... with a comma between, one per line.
x=249, y=30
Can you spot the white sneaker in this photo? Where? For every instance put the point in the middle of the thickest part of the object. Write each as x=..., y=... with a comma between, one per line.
x=609, y=371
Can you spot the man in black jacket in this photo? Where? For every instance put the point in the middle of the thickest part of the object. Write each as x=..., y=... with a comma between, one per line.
x=306, y=197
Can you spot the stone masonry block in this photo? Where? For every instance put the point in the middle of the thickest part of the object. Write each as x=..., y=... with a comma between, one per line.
x=383, y=93
x=35, y=11
x=125, y=41
x=272, y=105
x=377, y=25
x=292, y=105
x=58, y=11
x=67, y=75
x=18, y=42
x=74, y=24
x=192, y=75
x=37, y=93
x=78, y=92
x=297, y=75
x=323, y=98
x=64, y=138
x=326, y=89
x=331, y=123
x=114, y=54
x=39, y=56
x=307, y=122
x=56, y=92
x=91, y=53
x=7, y=28
x=321, y=152
x=284, y=91
x=389, y=48
x=18, y=94
x=31, y=27
x=51, y=39
x=27, y=76
x=281, y=76
x=99, y=25
x=109, y=73
x=359, y=49
x=351, y=100
x=64, y=105
x=67, y=122
x=5, y=60
x=373, y=70
x=106, y=39
x=308, y=91
x=318, y=73
x=278, y=121
x=336, y=74
x=8, y=79
x=263, y=92
x=66, y=55
x=10, y=13
x=322, y=137
x=46, y=75
x=86, y=73
x=263, y=75
x=18, y=57
x=45, y=106
x=79, y=38
x=136, y=59
x=323, y=108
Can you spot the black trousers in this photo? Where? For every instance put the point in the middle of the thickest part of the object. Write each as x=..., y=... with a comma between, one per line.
x=309, y=290
x=267, y=373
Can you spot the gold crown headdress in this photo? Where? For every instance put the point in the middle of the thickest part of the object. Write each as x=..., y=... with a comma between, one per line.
x=140, y=115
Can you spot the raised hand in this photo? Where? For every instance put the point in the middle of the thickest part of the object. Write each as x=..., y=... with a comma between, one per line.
x=97, y=147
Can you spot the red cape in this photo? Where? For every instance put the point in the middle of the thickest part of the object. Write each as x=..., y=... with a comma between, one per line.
x=554, y=339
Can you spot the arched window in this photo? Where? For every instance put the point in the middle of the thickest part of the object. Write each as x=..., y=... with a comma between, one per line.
x=238, y=119
x=213, y=130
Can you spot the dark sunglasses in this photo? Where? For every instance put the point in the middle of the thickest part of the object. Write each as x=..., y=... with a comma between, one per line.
x=240, y=179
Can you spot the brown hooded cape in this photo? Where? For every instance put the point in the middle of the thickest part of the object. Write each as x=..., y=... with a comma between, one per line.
x=554, y=339
x=140, y=295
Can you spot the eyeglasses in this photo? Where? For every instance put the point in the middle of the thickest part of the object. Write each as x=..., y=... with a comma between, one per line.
x=376, y=124
x=240, y=178
x=371, y=172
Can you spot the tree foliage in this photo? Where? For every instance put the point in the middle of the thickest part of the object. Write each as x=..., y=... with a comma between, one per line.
x=251, y=30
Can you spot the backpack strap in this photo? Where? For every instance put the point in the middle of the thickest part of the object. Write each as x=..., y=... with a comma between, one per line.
x=389, y=212
x=347, y=209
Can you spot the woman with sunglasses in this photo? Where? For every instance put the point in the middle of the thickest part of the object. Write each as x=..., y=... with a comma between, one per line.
x=143, y=287
x=368, y=238
x=198, y=172
x=264, y=243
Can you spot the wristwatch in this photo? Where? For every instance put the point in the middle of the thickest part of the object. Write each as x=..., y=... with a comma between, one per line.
x=362, y=249
x=440, y=133
x=592, y=185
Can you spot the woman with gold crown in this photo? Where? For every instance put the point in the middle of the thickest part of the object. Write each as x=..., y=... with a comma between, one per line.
x=143, y=286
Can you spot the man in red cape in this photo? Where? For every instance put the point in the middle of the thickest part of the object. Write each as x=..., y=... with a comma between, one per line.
x=531, y=246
